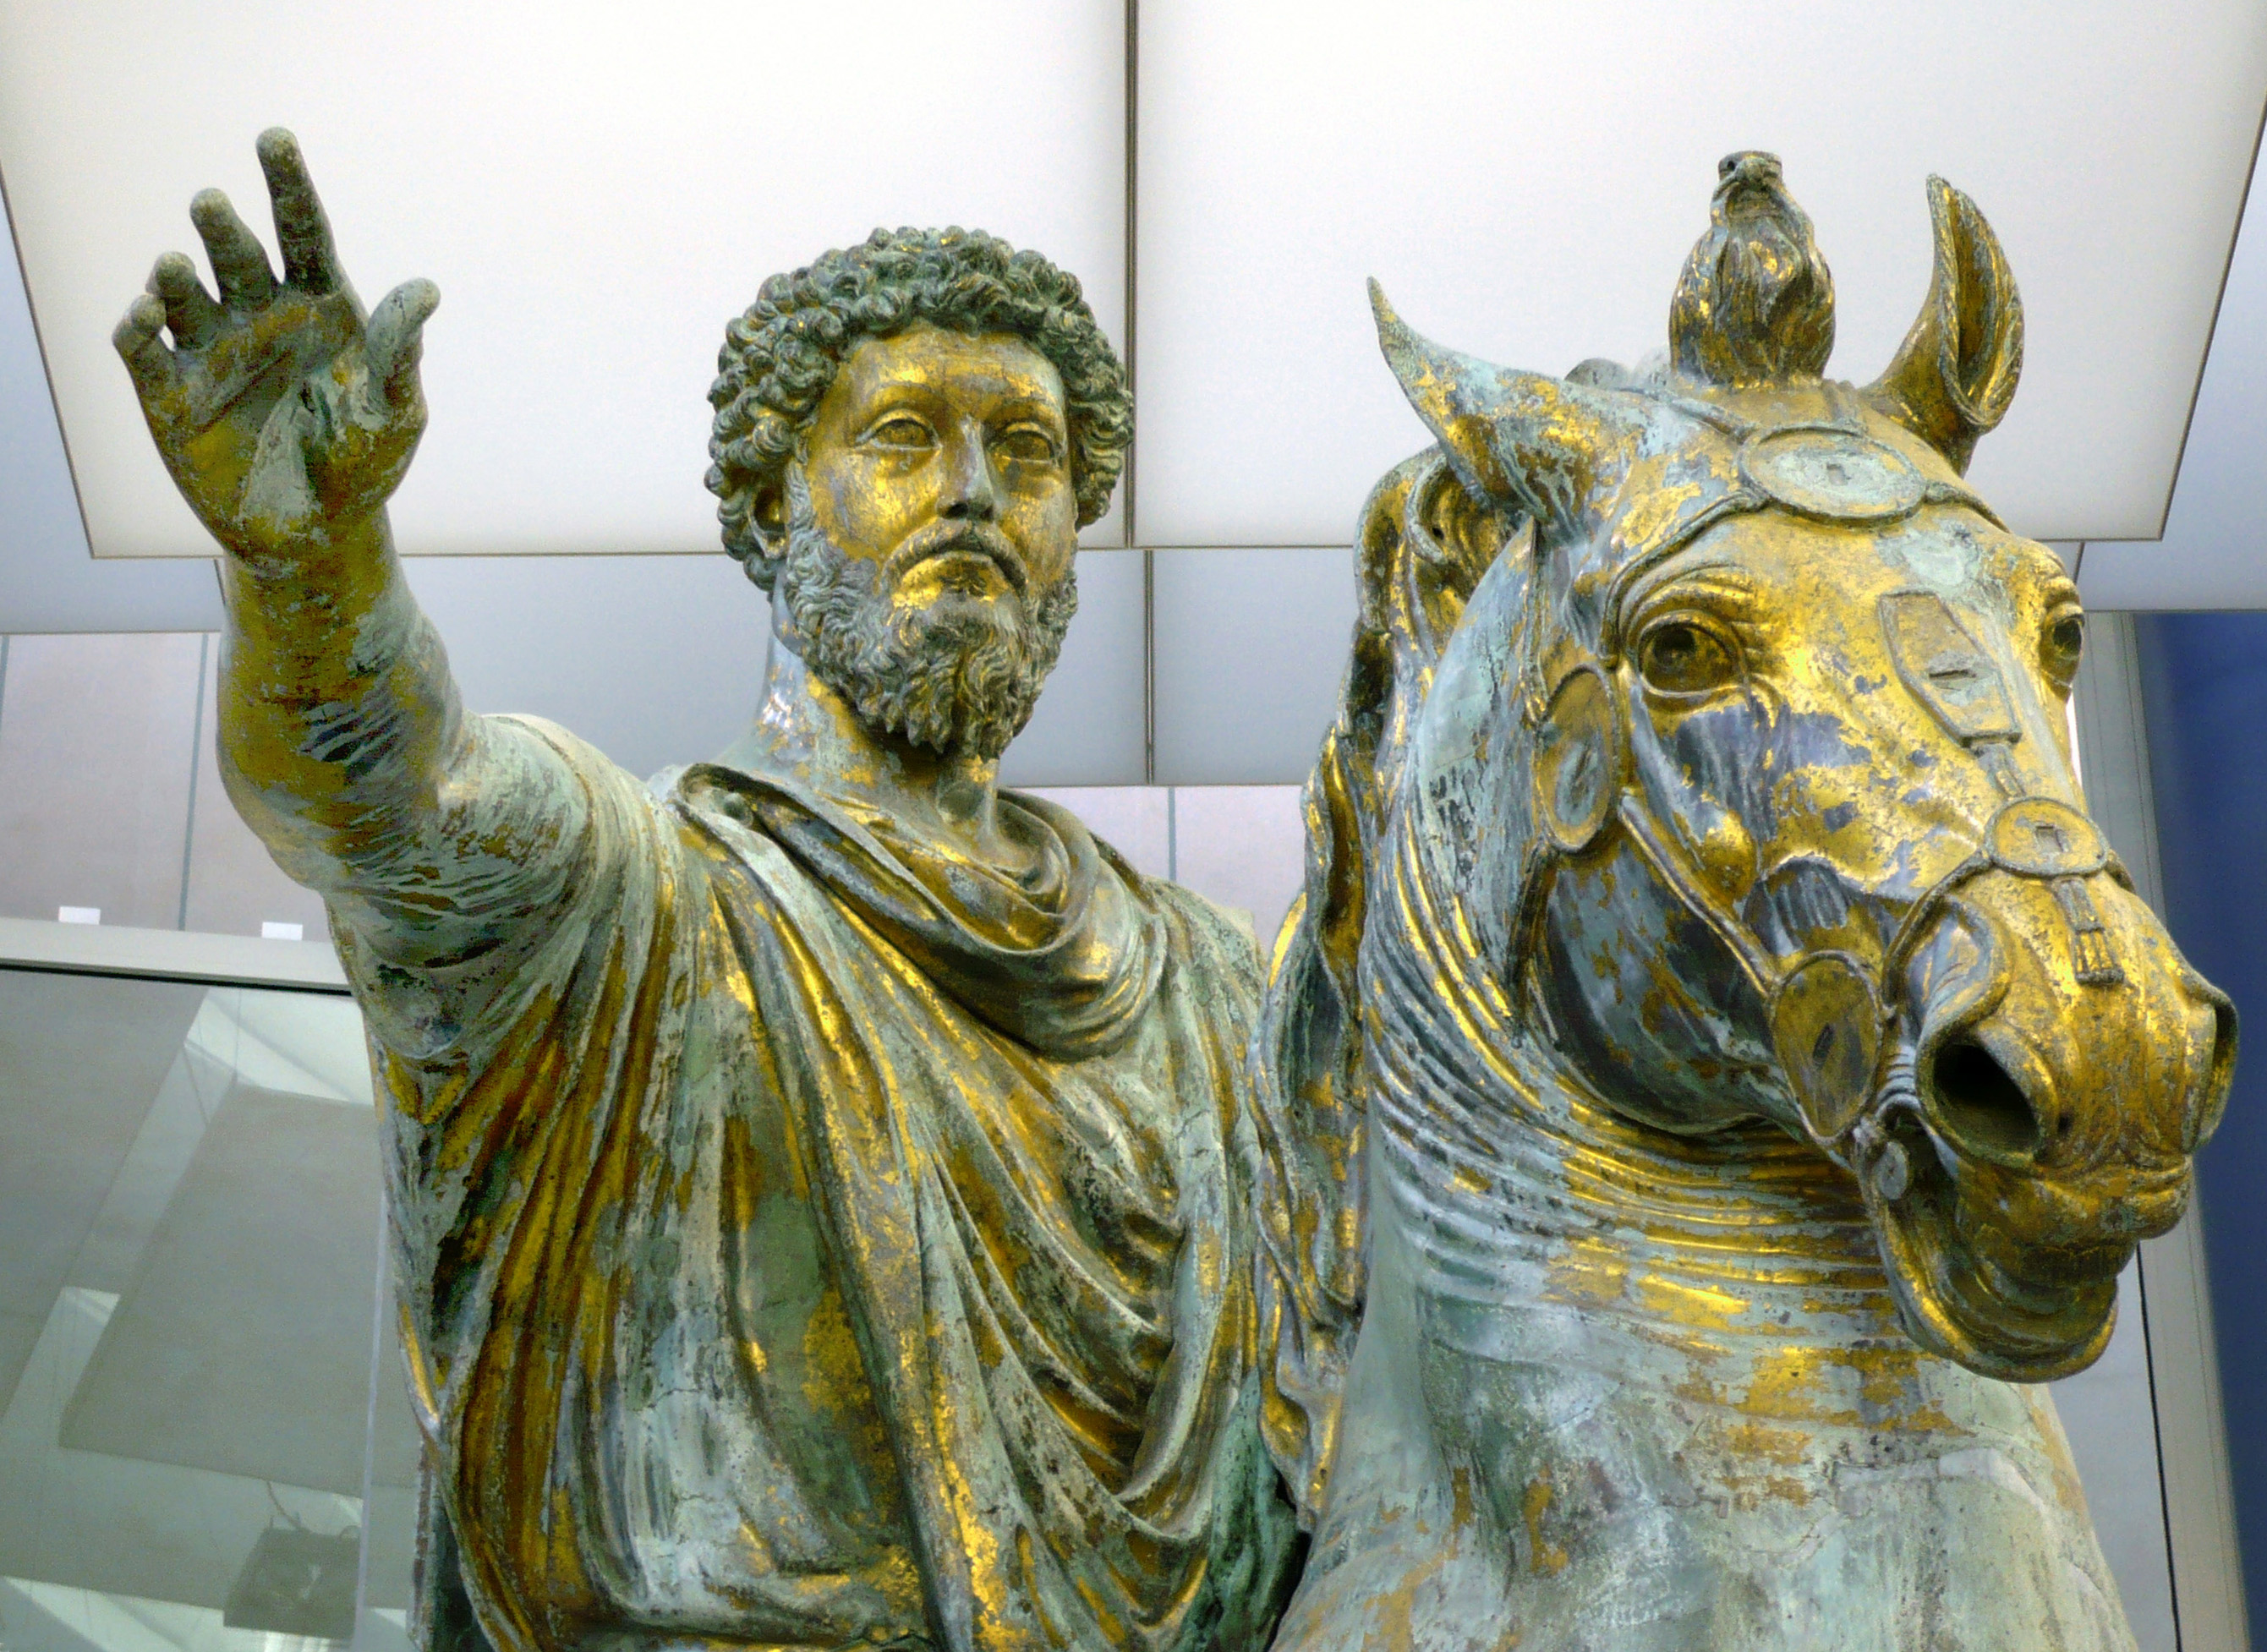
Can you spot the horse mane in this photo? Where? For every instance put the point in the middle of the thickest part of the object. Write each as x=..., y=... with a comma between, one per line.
x=1422, y=545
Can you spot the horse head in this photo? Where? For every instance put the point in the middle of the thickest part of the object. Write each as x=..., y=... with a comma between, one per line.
x=1715, y=1066
x=1804, y=839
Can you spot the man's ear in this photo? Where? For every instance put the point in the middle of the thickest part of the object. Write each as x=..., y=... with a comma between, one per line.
x=767, y=519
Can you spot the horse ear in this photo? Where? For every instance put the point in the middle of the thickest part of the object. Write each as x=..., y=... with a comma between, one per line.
x=1513, y=438
x=1955, y=373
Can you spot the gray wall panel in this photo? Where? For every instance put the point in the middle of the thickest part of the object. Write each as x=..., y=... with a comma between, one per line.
x=1245, y=847
x=1250, y=646
x=1089, y=729
x=654, y=660
x=97, y=736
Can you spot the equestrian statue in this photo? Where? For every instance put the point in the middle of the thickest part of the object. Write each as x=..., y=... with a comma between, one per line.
x=1716, y=1069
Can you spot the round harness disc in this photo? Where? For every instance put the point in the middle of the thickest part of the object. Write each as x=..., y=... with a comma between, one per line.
x=1833, y=475
x=1577, y=763
x=2037, y=837
x=1827, y=1023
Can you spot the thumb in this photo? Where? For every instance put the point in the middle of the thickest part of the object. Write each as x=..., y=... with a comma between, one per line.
x=395, y=338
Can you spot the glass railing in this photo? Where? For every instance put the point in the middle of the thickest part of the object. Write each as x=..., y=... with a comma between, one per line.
x=205, y=1441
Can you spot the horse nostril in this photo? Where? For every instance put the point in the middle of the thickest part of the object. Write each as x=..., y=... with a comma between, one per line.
x=2208, y=1092
x=1979, y=1105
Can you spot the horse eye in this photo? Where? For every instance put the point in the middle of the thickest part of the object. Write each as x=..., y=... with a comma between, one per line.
x=1680, y=658
x=2062, y=645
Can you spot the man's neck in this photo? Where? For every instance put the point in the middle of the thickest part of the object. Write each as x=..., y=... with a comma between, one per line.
x=807, y=730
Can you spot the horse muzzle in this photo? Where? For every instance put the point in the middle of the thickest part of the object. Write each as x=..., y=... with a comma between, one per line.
x=2063, y=1065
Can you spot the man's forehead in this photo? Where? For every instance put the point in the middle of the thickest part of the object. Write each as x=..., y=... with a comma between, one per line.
x=997, y=366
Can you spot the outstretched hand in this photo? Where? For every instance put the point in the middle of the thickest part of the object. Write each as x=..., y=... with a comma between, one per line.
x=286, y=416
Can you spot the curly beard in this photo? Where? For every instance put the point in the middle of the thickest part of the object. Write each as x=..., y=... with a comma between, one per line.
x=957, y=675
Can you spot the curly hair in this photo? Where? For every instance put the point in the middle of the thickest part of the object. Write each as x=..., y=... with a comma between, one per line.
x=780, y=356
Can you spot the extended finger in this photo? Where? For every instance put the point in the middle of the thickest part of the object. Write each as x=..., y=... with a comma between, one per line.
x=303, y=229
x=144, y=353
x=239, y=261
x=190, y=312
x=396, y=335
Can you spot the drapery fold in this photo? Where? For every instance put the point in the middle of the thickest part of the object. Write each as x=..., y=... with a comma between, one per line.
x=1064, y=960
x=816, y=1238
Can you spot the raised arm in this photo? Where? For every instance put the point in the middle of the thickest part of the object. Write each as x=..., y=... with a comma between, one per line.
x=287, y=418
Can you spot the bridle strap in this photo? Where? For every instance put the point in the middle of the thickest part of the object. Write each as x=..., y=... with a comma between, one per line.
x=1889, y=1085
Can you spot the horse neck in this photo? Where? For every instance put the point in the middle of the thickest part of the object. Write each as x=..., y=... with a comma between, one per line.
x=1707, y=1312
x=1527, y=1191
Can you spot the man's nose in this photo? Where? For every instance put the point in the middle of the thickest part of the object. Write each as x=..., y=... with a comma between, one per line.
x=971, y=492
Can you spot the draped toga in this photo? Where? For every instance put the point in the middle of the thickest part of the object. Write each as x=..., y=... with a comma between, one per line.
x=809, y=1236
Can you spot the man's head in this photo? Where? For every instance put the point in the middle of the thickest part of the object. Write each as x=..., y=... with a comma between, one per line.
x=908, y=436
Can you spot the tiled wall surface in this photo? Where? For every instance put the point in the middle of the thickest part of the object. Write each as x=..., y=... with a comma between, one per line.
x=1241, y=846
x=110, y=798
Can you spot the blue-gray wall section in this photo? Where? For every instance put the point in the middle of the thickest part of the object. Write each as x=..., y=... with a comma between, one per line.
x=2203, y=681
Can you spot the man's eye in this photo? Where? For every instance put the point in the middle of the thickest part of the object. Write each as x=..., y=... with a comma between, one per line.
x=1035, y=447
x=900, y=432
x=1679, y=656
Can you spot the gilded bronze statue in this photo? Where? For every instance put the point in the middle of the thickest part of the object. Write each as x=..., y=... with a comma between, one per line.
x=1715, y=1071
x=821, y=1184
x=1717, y=1067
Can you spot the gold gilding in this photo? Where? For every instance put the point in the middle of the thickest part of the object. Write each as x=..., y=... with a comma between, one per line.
x=822, y=1184
x=1713, y=1044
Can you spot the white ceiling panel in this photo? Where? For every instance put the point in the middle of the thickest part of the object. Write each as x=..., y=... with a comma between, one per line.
x=1526, y=181
x=2214, y=551
x=47, y=582
x=596, y=189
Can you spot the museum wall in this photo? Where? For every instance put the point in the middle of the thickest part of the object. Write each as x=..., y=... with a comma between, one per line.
x=2204, y=678
x=111, y=801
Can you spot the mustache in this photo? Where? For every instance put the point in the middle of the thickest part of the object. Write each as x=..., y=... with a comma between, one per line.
x=946, y=539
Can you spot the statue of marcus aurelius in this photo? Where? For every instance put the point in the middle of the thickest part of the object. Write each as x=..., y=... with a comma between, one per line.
x=820, y=1186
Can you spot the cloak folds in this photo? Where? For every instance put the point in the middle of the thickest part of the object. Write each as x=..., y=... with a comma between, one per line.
x=808, y=1237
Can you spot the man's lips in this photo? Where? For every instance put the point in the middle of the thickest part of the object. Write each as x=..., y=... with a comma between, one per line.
x=964, y=570
x=958, y=540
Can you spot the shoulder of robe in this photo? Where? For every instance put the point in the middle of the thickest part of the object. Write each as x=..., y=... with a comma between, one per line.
x=1214, y=944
